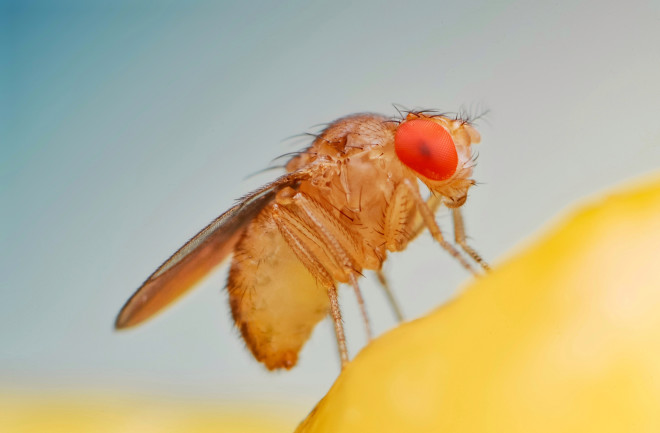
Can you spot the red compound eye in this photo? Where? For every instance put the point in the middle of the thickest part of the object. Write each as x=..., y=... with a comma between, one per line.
x=426, y=147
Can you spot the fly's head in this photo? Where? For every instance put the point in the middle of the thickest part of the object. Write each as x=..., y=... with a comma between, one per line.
x=437, y=149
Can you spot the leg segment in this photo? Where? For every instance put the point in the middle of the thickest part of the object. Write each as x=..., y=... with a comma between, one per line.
x=363, y=310
x=433, y=202
x=429, y=221
x=342, y=245
x=459, y=236
x=390, y=296
x=339, y=326
x=327, y=249
x=294, y=236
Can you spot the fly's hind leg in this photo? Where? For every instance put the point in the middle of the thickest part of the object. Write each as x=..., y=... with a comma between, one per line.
x=293, y=235
x=325, y=247
x=459, y=237
x=341, y=245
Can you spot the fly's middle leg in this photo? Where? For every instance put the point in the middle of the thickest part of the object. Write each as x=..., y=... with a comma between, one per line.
x=390, y=295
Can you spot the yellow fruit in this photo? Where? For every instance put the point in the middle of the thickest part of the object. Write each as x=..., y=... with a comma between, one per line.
x=67, y=412
x=562, y=337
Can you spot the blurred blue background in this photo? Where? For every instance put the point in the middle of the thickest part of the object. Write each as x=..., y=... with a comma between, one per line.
x=126, y=126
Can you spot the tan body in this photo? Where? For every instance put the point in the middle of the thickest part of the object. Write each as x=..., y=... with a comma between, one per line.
x=345, y=203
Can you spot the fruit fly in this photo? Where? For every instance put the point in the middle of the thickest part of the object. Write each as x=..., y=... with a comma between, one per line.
x=346, y=201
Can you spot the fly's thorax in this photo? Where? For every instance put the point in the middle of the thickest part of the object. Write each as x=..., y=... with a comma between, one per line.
x=343, y=137
x=357, y=189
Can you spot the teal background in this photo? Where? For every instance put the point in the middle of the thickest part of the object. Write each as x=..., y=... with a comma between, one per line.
x=126, y=126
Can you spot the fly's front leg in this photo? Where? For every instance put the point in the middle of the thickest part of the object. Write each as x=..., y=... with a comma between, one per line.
x=433, y=202
x=459, y=236
x=429, y=221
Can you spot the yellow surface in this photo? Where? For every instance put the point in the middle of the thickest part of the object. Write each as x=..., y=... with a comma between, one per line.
x=562, y=337
x=78, y=413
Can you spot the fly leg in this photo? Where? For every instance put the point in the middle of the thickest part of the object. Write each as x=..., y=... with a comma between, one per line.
x=427, y=215
x=325, y=247
x=342, y=247
x=339, y=326
x=401, y=224
x=294, y=237
x=459, y=237
x=390, y=296
x=363, y=309
x=433, y=202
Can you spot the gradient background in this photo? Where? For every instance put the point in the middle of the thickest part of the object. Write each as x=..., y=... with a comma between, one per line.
x=126, y=126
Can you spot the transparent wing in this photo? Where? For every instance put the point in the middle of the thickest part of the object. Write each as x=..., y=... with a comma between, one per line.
x=199, y=255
